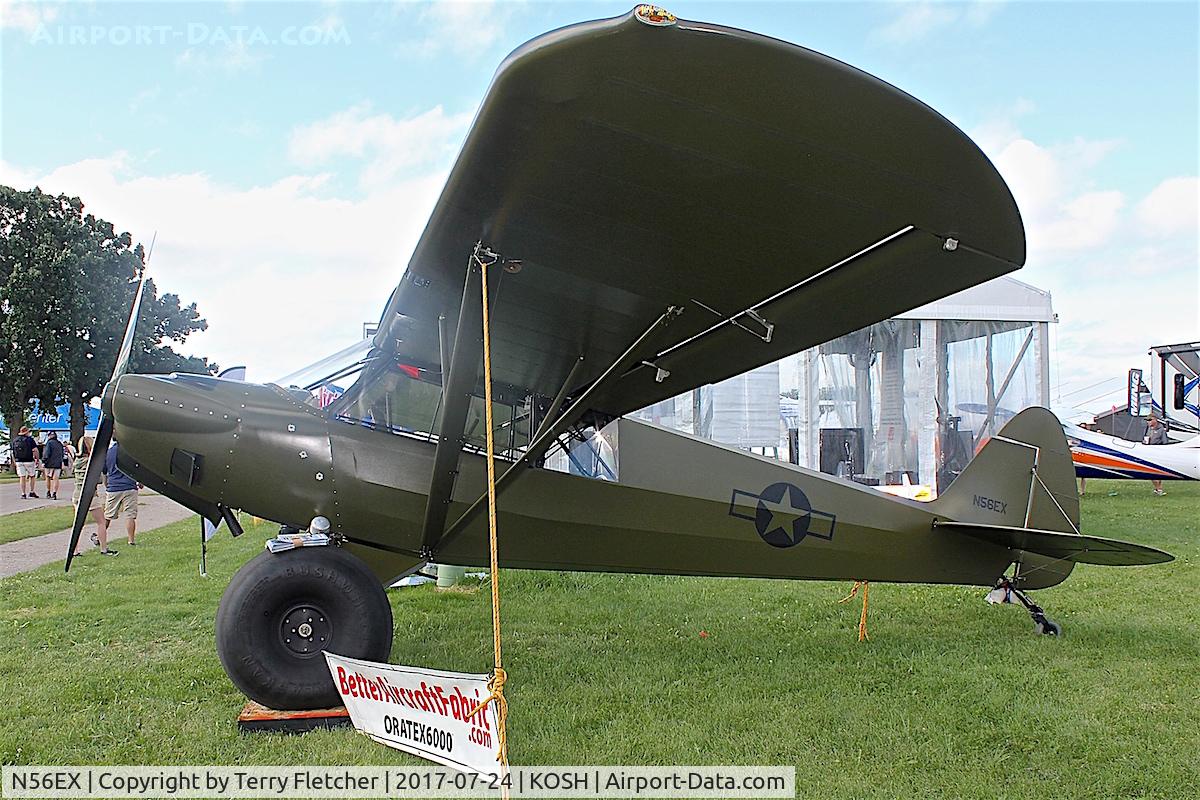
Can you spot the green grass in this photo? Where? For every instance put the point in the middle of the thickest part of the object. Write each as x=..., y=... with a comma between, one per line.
x=114, y=663
x=35, y=522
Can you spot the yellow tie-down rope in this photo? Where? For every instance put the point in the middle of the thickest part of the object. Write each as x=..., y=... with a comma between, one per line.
x=499, y=676
x=862, y=621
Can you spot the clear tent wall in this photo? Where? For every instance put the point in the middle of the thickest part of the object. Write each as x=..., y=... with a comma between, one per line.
x=914, y=399
x=908, y=399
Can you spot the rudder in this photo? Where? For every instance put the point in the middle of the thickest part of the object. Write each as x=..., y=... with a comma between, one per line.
x=1022, y=478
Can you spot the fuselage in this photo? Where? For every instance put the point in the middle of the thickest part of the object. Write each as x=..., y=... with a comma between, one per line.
x=680, y=505
x=1098, y=455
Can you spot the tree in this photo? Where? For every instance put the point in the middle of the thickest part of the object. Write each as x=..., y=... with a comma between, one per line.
x=68, y=280
x=163, y=319
x=36, y=248
x=106, y=272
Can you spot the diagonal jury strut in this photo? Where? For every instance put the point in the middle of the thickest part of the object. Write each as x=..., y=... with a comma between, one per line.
x=550, y=431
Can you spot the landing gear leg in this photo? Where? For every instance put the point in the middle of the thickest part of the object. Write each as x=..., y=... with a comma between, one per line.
x=1006, y=592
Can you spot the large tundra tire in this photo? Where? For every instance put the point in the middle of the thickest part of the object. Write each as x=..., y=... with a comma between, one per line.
x=281, y=612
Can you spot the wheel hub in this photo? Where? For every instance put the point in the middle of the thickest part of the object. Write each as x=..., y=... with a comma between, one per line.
x=305, y=630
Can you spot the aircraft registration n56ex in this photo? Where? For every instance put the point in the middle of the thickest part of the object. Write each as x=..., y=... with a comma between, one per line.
x=658, y=204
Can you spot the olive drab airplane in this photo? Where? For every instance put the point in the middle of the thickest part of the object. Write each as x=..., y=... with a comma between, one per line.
x=660, y=204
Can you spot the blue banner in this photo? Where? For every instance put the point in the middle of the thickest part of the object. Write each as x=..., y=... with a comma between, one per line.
x=59, y=419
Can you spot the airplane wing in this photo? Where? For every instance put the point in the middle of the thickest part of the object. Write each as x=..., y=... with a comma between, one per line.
x=777, y=197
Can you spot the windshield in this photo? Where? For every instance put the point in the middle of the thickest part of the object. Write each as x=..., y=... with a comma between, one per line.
x=401, y=398
x=342, y=365
x=327, y=379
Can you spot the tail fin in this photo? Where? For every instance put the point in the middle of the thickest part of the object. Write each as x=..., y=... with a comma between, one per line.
x=1023, y=478
x=1019, y=493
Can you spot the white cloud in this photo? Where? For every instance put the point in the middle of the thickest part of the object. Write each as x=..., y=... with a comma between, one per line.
x=1082, y=222
x=231, y=58
x=12, y=175
x=1172, y=207
x=1109, y=323
x=1122, y=273
x=463, y=27
x=1052, y=184
x=1046, y=183
x=330, y=24
x=980, y=12
x=999, y=129
x=916, y=21
x=26, y=16
x=391, y=146
x=284, y=272
x=919, y=20
x=146, y=97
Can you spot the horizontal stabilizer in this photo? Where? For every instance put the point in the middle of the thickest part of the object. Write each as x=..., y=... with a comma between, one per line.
x=1066, y=546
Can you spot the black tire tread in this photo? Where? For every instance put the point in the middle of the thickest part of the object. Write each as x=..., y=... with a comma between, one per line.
x=247, y=619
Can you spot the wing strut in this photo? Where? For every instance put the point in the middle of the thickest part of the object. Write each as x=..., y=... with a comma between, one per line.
x=556, y=405
x=458, y=387
x=554, y=426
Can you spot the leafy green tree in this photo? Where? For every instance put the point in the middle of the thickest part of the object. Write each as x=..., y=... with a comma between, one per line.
x=164, y=319
x=68, y=284
x=106, y=270
x=37, y=245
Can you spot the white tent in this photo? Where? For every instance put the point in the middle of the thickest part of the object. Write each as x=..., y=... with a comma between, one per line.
x=917, y=393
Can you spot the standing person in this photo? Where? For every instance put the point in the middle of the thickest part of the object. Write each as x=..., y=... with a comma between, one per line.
x=25, y=454
x=82, y=457
x=1156, y=433
x=52, y=463
x=121, y=502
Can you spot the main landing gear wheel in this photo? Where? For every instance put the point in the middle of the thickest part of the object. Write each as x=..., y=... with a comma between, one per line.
x=282, y=611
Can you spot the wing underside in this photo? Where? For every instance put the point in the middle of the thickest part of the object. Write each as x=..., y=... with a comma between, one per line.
x=776, y=197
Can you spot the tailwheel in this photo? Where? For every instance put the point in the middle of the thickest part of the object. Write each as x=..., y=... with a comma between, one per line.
x=1006, y=592
x=282, y=611
x=1047, y=627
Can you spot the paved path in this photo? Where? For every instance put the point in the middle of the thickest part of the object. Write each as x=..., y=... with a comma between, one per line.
x=11, y=502
x=154, y=511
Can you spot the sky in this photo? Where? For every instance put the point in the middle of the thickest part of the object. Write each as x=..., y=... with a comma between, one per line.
x=288, y=154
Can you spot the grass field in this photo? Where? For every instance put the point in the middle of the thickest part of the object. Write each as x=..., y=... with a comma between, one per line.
x=36, y=521
x=114, y=663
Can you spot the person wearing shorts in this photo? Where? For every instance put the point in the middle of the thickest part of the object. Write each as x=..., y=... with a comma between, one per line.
x=121, y=501
x=26, y=457
x=96, y=510
x=52, y=461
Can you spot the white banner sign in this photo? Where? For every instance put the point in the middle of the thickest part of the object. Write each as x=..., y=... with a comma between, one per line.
x=421, y=711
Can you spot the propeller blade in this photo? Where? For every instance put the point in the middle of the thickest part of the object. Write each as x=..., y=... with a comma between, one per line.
x=90, y=481
x=122, y=364
x=104, y=434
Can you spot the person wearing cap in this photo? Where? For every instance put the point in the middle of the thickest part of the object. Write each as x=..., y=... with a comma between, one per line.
x=27, y=457
x=1156, y=433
